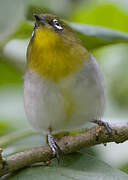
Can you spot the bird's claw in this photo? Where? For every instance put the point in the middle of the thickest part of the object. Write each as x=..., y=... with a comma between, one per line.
x=103, y=123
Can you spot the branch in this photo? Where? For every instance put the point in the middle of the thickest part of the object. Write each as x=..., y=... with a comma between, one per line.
x=68, y=144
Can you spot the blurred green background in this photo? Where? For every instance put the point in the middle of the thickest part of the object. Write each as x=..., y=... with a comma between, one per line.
x=105, y=34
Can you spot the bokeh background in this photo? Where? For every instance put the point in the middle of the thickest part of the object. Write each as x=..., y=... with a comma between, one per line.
x=16, y=23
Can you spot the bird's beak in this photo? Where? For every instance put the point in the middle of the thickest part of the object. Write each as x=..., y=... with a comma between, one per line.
x=40, y=19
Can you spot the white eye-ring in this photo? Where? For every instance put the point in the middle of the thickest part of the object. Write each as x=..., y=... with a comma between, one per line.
x=56, y=24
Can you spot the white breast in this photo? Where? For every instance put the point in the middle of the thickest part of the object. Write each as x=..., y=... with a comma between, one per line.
x=45, y=104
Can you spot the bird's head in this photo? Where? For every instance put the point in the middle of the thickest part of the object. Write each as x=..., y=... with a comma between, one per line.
x=54, y=51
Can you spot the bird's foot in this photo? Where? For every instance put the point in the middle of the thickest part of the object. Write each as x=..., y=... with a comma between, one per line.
x=103, y=123
x=54, y=146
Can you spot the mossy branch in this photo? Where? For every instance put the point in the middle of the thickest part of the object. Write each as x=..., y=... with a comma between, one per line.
x=68, y=144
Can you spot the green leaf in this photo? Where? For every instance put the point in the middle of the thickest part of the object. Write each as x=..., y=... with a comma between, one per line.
x=76, y=166
x=102, y=13
x=9, y=73
x=15, y=137
x=96, y=36
x=4, y=127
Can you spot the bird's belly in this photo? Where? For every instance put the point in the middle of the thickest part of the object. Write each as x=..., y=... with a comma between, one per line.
x=66, y=105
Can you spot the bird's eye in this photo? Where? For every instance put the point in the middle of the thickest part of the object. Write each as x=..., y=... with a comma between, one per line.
x=56, y=25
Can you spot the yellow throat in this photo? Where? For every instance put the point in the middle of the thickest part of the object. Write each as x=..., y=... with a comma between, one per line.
x=53, y=57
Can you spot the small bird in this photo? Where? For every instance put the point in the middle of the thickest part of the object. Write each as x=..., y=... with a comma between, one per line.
x=63, y=86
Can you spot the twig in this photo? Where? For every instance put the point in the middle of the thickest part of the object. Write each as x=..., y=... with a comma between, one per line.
x=67, y=144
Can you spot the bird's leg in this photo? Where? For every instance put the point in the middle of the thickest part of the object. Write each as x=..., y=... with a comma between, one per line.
x=54, y=146
x=103, y=123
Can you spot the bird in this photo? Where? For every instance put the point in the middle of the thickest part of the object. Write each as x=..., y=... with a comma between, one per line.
x=63, y=83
